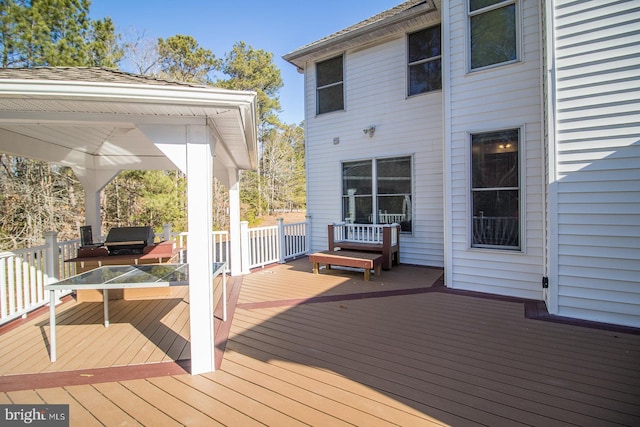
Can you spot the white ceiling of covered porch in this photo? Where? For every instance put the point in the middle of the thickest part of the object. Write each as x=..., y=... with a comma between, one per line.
x=108, y=120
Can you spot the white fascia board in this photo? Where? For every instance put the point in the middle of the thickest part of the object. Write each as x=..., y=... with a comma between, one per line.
x=80, y=119
x=117, y=92
x=249, y=119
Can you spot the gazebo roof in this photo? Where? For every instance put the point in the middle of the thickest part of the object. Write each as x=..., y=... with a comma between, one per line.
x=104, y=119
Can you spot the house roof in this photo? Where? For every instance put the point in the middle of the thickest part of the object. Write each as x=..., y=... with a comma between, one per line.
x=102, y=118
x=85, y=74
x=411, y=13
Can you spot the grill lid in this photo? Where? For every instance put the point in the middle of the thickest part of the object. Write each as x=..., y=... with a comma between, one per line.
x=129, y=239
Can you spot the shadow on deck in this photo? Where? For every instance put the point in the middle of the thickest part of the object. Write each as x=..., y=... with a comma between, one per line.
x=400, y=349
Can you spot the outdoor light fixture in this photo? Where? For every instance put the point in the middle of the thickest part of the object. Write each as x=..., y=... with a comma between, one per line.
x=369, y=130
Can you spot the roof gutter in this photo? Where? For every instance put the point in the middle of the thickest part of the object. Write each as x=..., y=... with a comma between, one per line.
x=123, y=92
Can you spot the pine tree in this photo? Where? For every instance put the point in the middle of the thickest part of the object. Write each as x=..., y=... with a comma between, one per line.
x=36, y=196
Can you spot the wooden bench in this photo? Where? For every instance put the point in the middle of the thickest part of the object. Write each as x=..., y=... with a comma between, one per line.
x=380, y=238
x=368, y=261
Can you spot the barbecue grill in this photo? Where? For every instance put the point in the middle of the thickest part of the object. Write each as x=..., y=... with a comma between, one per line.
x=129, y=240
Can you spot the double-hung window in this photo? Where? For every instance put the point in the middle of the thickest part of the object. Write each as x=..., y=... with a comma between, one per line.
x=493, y=32
x=495, y=189
x=425, y=61
x=330, y=85
x=378, y=191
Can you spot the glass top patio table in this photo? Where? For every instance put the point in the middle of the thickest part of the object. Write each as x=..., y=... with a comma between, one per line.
x=127, y=276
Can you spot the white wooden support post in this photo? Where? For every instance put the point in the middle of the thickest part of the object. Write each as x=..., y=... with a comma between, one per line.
x=52, y=261
x=93, y=181
x=92, y=213
x=282, y=251
x=200, y=149
x=244, y=247
x=166, y=232
x=234, y=223
x=308, y=234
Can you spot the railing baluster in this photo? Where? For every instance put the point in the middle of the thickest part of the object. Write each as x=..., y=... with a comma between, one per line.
x=20, y=290
x=11, y=285
x=31, y=274
x=4, y=308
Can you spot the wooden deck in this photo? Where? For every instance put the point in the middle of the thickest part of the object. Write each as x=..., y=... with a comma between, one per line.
x=330, y=349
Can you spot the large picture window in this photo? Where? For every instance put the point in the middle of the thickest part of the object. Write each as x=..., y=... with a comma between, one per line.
x=495, y=189
x=493, y=32
x=378, y=191
x=330, y=87
x=425, y=61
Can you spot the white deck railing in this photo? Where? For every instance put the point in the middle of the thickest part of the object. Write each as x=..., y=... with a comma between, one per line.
x=362, y=233
x=277, y=243
x=220, y=245
x=295, y=241
x=24, y=277
x=24, y=272
x=264, y=246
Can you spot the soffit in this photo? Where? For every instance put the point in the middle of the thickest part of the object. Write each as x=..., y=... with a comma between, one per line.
x=76, y=115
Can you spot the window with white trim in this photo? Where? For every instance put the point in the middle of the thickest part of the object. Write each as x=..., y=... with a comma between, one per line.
x=330, y=85
x=381, y=186
x=493, y=32
x=424, y=61
x=495, y=189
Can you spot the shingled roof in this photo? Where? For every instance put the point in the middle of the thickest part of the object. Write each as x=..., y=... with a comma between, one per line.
x=86, y=74
x=364, y=31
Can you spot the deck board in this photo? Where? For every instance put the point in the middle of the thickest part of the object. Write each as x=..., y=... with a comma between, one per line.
x=332, y=411
x=332, y=349
x=146, y=413
x=259, y=390
x=123, y=355
x=383, y=376
x=163, y=401
x=213, y=406
x=338, y=399
x=79, y=414
x=102, y=408
x=262, y=414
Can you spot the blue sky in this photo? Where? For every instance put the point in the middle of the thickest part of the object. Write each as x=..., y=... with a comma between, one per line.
x=277, y=26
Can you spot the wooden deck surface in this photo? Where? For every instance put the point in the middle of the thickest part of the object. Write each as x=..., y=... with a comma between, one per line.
x=329, y=349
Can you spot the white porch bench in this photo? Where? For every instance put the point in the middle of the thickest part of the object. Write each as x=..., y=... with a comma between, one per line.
x=382, y=238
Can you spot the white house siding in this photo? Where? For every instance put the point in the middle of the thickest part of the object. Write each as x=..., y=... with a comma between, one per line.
x=375, y=94
x=597, y=273
x=502, y=97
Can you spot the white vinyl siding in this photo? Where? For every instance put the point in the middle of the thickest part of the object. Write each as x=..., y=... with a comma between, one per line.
x=597, y=274
x=375, y=94
x=503, y=97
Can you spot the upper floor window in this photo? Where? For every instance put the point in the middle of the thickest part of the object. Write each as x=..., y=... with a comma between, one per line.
x=493, y=32
x=495, y=189
x=329, y=86
x=378, y=191
x=425, y=61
